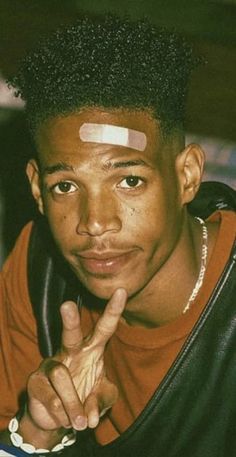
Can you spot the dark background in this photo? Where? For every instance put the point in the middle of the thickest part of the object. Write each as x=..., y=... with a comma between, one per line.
x=209, y=25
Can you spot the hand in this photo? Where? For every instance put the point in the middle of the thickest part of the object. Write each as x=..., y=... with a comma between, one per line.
x=71, y=389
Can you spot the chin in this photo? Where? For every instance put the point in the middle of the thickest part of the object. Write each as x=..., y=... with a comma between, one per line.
x=103, y=293
x=104, y=289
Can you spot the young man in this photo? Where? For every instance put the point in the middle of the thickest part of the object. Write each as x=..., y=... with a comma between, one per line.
x=145, y=350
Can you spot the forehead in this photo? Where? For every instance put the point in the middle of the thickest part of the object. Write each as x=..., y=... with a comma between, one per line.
x=96, y=130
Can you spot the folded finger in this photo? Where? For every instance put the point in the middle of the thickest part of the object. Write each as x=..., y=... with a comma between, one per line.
x=63, y=385
x=44, y=405
x=91, y=409
x=100, y=401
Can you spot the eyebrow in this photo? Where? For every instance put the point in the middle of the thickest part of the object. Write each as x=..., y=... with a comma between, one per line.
x=60, y=166
x=125, y=164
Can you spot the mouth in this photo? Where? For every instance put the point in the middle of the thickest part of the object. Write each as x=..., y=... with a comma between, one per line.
x=105, y=263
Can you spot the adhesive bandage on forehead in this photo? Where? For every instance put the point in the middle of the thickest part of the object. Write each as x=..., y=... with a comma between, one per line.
x=111, y=134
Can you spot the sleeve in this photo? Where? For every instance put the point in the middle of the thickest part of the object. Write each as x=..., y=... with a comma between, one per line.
x=19, y=353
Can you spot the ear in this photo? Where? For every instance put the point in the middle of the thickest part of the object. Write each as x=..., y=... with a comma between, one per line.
x=32, y=171
x=189, y=168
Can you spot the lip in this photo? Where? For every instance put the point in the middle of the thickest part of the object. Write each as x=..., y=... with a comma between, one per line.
x=108, y=262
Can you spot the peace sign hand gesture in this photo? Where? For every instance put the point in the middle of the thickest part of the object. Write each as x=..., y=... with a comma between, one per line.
x=71, y=389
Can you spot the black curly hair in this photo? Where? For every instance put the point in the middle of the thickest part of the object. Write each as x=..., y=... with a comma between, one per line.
x=109, y=62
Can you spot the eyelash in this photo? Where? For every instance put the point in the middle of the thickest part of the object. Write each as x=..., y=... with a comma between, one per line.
x=138, y=181
x=132, y=177
x=53, y=188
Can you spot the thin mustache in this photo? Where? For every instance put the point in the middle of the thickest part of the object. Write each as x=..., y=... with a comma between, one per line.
x=104, y=247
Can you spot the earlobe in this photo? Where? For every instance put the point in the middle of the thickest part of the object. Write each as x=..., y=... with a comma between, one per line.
x=189, y=166
x=32, y=172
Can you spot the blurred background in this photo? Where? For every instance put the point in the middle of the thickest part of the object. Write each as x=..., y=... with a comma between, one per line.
x=210, y=25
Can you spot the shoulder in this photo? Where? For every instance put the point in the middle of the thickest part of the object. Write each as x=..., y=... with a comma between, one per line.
x=18, y=255
x=14, y=281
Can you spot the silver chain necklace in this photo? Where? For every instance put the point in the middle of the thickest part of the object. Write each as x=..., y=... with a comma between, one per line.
x=202, y=270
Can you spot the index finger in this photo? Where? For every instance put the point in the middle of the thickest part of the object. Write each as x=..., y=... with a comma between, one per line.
x=107, y=323
x=71, y=330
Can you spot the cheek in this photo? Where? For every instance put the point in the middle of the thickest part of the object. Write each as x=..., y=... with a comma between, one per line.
x=146, y=212
x=152, y=223
x=59, y=212
x=62, y=222
x=143, y=226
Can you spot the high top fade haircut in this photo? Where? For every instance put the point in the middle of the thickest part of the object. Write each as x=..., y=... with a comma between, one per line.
x=109, y=62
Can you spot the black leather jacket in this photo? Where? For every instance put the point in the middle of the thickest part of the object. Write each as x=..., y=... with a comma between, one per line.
x=193, y=411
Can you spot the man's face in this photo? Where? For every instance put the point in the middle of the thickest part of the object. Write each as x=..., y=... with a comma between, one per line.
x=114, y=210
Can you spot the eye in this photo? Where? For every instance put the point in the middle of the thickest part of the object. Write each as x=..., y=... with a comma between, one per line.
x=131, y=182
x=64, y=187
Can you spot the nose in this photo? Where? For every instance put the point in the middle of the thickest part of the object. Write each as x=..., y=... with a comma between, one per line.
x=99, y=214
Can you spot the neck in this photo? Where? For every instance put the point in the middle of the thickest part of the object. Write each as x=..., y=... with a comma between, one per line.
x=165, y=297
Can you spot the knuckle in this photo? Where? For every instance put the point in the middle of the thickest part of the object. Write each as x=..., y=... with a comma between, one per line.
x=58, y=373
x=55, y=406
x=35, y=379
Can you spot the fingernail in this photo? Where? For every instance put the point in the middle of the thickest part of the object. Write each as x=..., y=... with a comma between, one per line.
x=80, y=423
x=93, y=420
